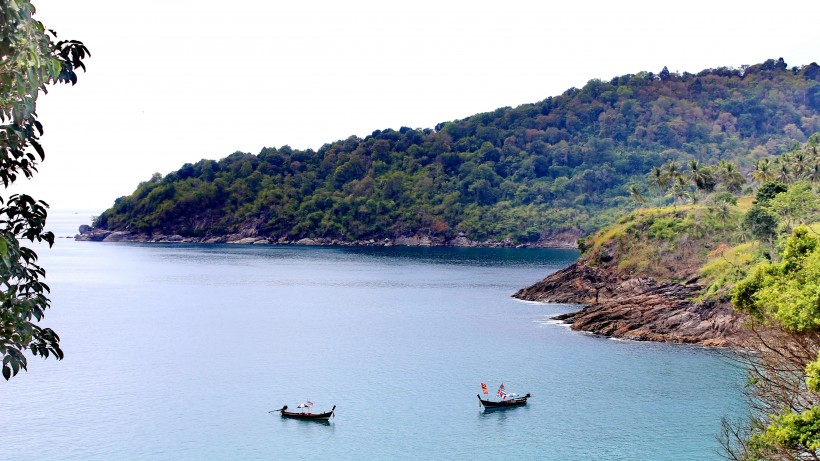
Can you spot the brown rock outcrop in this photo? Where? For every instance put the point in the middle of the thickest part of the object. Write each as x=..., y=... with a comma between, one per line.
x=638, y=308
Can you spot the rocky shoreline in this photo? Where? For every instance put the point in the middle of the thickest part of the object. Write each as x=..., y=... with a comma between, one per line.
x=88, y=234
x=636, y=308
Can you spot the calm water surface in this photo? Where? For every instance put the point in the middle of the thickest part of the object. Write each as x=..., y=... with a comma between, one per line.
x=179, y=352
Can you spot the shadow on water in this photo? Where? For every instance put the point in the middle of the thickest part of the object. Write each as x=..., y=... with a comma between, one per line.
x=499, y=412
x=306, y=422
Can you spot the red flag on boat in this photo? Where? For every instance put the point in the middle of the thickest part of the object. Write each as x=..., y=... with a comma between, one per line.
x=484, y=389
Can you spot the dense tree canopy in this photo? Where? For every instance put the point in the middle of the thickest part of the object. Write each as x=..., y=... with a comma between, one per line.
x=30, y=59
x=777, y=285
x=568, y=162
x=783, y=300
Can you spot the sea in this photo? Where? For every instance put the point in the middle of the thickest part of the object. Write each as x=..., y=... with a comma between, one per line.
x=181, y=352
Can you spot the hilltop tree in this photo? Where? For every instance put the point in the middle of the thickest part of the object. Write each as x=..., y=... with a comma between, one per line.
x=760, y=221
x=30, y=59
x=796, y=205
x=768, y=191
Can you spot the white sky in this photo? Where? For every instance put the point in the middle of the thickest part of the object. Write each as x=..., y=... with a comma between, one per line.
x=175, y=81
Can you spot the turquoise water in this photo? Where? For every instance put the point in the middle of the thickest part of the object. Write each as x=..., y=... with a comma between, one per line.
x=179, y=352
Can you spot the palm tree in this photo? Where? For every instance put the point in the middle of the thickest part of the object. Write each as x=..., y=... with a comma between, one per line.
x=783, y=173
x=723, y=211
x=672, y=171
x=798, y=162
x=696, y=174
x=722, y=207
x=811, y=147
x=763, y=171
x=814, y=173
x=680, y=190
x=637, y=194
x=732, y=177
x=710, y=176
x=658, y=179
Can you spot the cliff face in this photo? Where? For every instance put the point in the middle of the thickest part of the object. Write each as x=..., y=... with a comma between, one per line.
x=640, y=279
x=639, y=308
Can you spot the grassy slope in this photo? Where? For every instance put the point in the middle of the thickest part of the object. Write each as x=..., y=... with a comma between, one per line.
x=679, y=244
x=671, y=243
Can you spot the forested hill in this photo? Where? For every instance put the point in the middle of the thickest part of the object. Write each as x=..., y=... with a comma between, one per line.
x=522, y=174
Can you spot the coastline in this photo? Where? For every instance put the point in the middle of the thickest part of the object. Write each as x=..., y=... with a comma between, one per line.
x=561, y=241
x=636, y=308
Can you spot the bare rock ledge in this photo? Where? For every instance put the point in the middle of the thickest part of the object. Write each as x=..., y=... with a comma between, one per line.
x=637, y=308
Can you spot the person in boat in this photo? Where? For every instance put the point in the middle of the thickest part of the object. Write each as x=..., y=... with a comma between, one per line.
x=307, y=405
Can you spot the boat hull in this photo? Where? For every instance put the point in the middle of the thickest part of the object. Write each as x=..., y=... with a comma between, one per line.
x=307, y=416
x=516, y=402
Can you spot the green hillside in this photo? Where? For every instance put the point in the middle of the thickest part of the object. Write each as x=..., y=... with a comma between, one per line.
x=523, y=174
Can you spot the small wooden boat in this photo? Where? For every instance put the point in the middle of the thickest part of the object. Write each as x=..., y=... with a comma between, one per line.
x=306, y=416
x=512, y=402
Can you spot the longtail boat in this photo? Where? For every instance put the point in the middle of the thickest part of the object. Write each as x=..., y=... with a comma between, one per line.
x=507, y=400
x=511, y=402
x=307, y=416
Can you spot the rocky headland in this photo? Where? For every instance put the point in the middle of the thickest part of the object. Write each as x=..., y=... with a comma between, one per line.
x=637, y=308
x=641, y=279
